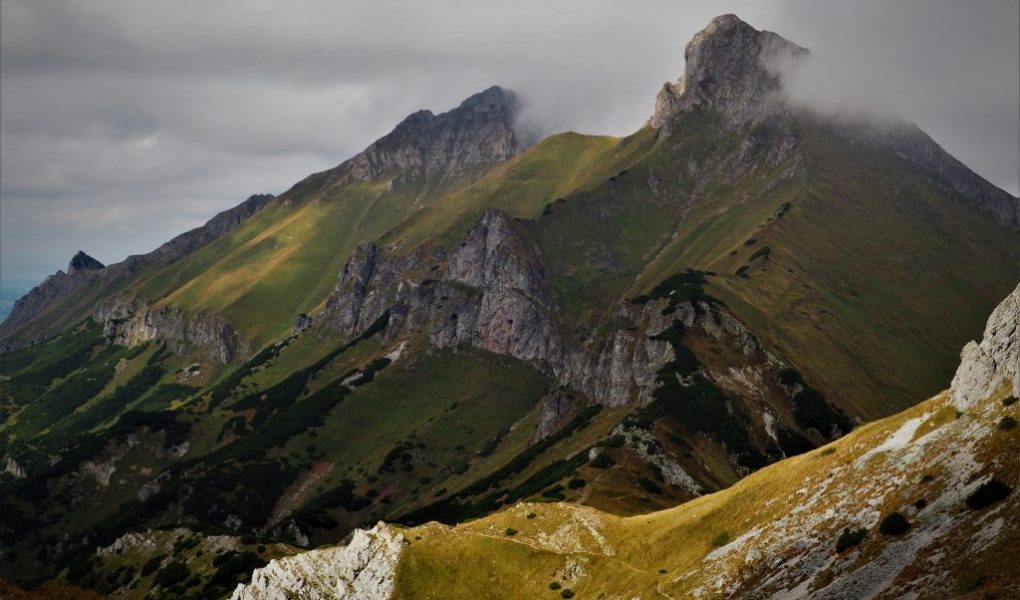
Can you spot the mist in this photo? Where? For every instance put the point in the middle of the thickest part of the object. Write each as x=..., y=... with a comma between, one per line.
x=125, y=123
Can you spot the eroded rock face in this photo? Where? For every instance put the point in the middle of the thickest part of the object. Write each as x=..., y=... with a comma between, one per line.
x=727, y=71
x=995, y=361
x=479, y=131
x=364, y=569
x=132, y=321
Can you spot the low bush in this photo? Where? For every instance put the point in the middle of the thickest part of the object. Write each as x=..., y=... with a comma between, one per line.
x=1007, y=423
x=510, y=531
x=602, y=460
x=988, y=493
x=172, y=574
x=721, y=540
x=576, y=483
x=894, y=524
x=850, y=538
x=1009, y=401
x=554, y=585
x=152, y=564
x=567, y=593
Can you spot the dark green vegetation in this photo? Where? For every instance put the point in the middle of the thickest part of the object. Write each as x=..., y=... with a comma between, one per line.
x=850, y=538
x=894, y=524
x=988, y=493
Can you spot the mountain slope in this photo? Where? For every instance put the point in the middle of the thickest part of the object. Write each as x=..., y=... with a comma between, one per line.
x=448, y=323
x=921, y=505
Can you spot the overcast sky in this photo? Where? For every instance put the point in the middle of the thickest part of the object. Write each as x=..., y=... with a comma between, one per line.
x=125, y=122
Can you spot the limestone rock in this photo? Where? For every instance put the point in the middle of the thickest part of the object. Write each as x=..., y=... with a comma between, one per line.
x=364, y=569
x=995, y=361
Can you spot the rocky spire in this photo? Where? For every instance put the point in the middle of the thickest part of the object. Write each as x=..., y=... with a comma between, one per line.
x=479, y=131
x=727, y=70
x=83, y=262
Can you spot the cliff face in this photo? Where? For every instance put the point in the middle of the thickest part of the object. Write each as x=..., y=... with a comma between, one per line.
x=132, y=321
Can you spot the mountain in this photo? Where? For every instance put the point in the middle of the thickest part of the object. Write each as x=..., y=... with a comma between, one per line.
x=451, y=322
x=921, y=504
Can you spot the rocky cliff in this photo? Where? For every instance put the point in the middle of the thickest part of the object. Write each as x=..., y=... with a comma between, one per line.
x=425, y=146
x=726, y=71
x=363, y=569
x=132, y=321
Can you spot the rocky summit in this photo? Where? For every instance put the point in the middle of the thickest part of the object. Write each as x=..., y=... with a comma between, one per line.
x=718, y=357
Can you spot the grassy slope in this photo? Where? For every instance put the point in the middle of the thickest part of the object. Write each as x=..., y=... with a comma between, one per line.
x=667, y=554
x=866, y=251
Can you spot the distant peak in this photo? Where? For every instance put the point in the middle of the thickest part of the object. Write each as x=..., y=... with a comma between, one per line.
x=493, y=99
x=83, y=262
x=727, y=70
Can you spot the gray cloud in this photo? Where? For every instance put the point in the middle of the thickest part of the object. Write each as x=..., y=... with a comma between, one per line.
x=124, y=123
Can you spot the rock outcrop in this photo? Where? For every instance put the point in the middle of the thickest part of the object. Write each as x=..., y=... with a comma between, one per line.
x=727, y=71
x=364, y=569
x=132, y=321
x=995, y=361
x=425, y=146
x=83, y=262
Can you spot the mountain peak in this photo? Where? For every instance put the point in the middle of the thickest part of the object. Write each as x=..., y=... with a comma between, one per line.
x=83, y=262
x=727, y=70
x=478, y=131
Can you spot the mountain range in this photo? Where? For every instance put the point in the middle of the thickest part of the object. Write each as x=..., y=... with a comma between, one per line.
x=715, y=330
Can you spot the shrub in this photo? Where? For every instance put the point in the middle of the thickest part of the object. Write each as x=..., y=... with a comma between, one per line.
x=554, y=585
x=920, y=504
x=576, y=483
x=988, y=493
x=153, y=563
x=510, y=531
x=1009, y=401
x=662, y=571
x=602, y=461
x=567, y=593
x=1007, y=423
x=928, y=478
x=894, y=524
x=172, y=574
x=849, y=538
x=531, y=515
x=721, y=540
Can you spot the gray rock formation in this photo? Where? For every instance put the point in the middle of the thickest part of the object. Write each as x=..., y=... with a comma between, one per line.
x=132, y=321
x=994, y=362
x=726, y=71
x=364, y=569
x=83, y=262
x=425, y=146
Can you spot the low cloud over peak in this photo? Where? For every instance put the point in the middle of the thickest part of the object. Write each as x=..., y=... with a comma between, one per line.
x=124, y=124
